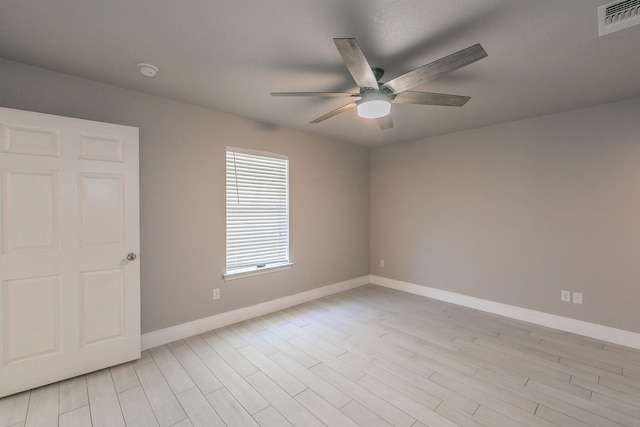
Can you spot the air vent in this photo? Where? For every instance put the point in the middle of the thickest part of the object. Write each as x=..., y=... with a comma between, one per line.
x=617, y=16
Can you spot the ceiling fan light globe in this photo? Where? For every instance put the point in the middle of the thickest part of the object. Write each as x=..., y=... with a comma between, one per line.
x=374, y=109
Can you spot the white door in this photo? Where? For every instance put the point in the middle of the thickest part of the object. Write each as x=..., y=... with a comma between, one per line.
x=69, y=216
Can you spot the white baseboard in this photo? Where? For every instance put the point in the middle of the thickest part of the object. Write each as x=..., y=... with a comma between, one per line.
x=591, y=330
x=189, y=329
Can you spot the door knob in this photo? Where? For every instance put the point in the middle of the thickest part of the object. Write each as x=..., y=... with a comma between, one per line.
x=131, y=256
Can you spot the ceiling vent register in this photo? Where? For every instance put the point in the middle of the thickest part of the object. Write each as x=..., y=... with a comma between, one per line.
x=617, y=16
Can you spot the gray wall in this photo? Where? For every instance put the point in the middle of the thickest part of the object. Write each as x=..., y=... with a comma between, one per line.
x=511, y=213
x=516, y=212
x=182, y=174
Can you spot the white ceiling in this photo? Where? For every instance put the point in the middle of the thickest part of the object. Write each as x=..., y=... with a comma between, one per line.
x=544, y=56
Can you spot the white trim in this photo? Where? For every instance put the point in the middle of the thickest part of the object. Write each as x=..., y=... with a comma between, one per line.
x=591, y=330
x=189, y=329
x=257, y=152
x=255, y=271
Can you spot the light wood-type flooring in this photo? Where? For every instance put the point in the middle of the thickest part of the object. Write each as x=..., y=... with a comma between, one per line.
x=370, y=357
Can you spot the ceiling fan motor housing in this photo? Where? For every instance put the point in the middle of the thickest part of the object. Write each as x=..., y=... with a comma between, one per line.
x=383, y=94
x=378, y=73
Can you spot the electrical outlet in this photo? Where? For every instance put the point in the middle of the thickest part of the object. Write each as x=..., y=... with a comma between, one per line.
x=381, y=263
x=577, y=297
x=565, y=296
x=216, y=293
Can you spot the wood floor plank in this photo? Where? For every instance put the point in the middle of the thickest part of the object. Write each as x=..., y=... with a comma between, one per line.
x=607, y=391
x=584, y=367
x=163, y=401
x=373, y=402
x=605, y=412
x=198, y=409
x=582, y=354
x=292, y=351
x=495, y=418
x=79, y=417
x=493, y=398
x=536, y=360
x=174, y=373
x=270, y=417
x=253, y=339
x=508, y=346
x=415, y=408
x=145, y=357
x=229, y=409
x=103, y=400
x=363, y=416
x=136, y=408
x=392, y=382
x=624, y=384
x=585, y=415
x=460, y=417
x=374, y=350
x=73, y=394
x=199, y=347
x=558, y=418
x=124, y=377
x=184, y=423
x=617, y=405
x=449, y=396
x=323, y=340
x=203, y=378
x=13, y=409
x=293, y=316
x=43, y=406
x=230, y=355
x=255, y=324
x=295, y=413
x=274, y=323
x=232, y=338
x=344, y=369
x=323, y=410
x=441, y=360
x=324, y=389
x=519, y=365
x=284, y=379
x=248, y=397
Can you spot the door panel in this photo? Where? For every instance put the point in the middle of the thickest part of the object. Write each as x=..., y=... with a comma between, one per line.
x=102, y=305
x=35, y=192
x=101, y=208
x=32, y=317
x=95, y=147
x=69, y=202
x=30, y=140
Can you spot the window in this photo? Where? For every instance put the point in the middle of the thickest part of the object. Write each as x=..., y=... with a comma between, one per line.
x=257, y=212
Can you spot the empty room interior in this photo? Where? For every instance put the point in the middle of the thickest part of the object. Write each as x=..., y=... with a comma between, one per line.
x=307, y=213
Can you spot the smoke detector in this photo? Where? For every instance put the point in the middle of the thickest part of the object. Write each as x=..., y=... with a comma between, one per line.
x=150, y=70
x=618, y=15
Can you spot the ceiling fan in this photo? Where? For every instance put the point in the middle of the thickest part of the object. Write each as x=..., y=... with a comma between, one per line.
x=375, y=97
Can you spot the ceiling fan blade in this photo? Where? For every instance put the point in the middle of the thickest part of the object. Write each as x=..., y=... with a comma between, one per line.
x=428, y=98
x=325, y=94
x=356, y=62
x=385, y=122
x=436, y=68
x=335, y=112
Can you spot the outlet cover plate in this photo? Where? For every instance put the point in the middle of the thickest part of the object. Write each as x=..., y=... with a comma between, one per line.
x=577, y=297
x=565, y=296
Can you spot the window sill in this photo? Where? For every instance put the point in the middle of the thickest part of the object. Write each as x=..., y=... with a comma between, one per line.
x=254, y=271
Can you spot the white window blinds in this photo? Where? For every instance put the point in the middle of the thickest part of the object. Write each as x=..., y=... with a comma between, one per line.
x=257, y=210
